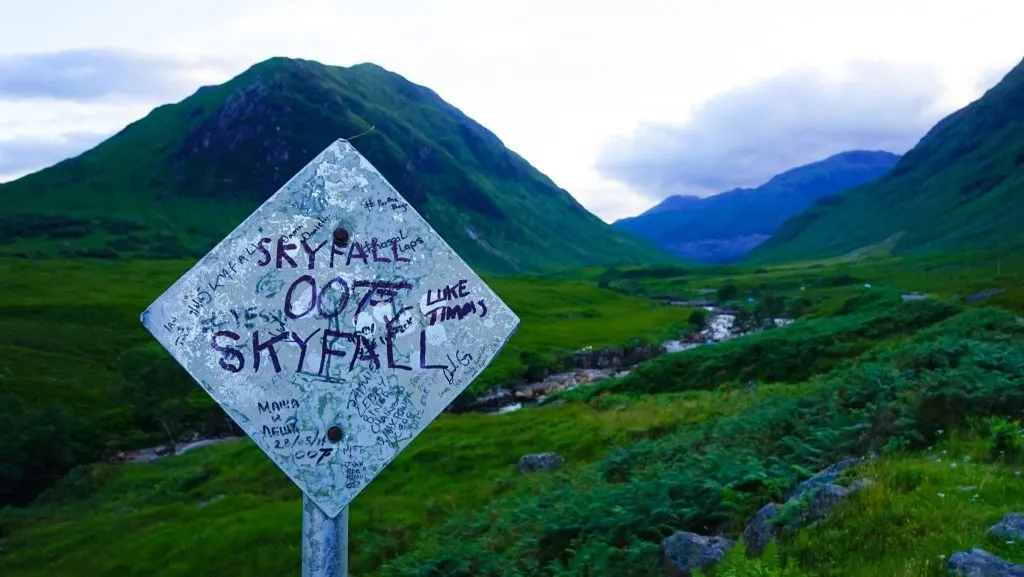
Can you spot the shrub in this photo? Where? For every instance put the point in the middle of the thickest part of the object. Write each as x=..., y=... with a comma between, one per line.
x=709, y=478
x=769, y=564
x=699, y=318
x=792, y=353
x=727, y=293
x=1005, y=438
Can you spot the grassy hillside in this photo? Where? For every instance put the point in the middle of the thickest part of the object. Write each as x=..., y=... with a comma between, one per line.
x=70, y=341
x=104, y=518
x=711, y=477
x=174, y=183
x=639, y=466
x=817, y=287
x=724, y=227
x=959, y=188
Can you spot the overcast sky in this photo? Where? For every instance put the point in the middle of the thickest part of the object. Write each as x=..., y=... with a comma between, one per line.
x=621, y=103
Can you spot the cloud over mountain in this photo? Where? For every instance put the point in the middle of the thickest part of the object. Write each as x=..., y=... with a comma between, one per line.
x=744, y=136
x=94, y=74
x=97, y=86
x=25, y=154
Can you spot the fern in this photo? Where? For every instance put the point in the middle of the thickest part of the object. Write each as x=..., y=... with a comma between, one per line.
x=769, y=564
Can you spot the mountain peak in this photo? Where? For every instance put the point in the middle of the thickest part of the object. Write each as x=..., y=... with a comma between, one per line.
x=726, y=226
x=183, y=176
x=674, y=202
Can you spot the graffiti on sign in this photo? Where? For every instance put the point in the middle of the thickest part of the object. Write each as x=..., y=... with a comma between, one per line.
x=333, y=325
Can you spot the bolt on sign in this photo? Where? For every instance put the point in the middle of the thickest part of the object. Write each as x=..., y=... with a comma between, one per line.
x=333, y=325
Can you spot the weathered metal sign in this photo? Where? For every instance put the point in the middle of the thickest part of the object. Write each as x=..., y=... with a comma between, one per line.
x=333, y=325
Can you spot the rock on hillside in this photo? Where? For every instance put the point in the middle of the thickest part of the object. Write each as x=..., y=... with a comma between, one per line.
x=812, y=500
x=980, y=563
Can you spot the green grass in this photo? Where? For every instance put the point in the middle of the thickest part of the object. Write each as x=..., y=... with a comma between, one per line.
x=639, y=467
x=711, y=477
x=153, y=519
x=921, y=508
x=65, y=322
x=65, y=326
x=559, y=317
x=676, y=445
x=829, y=283
x=794, y=353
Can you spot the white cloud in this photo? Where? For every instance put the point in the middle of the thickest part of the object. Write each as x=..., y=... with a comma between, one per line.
x=100, y=74
x=33, y=137
x=745, y=136
x=991, y=76
x=57, y=105
x=554, y=80
x=25, y=155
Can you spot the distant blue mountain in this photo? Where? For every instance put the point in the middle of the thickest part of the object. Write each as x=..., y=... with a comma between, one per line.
x=726, y=226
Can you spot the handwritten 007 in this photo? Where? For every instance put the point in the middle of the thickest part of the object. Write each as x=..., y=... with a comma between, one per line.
x=328, y=302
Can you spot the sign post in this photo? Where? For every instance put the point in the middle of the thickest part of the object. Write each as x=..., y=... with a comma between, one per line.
x=324, y=542
x=333, y=325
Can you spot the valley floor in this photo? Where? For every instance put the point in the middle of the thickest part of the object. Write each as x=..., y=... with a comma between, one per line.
x=172, y=515
x=695, y=441
x=639, y=466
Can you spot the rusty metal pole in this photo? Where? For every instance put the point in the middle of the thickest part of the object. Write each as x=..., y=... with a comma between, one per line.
x=324, y=542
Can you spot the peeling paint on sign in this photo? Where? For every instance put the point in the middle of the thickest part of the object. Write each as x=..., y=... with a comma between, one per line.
x=294, y=335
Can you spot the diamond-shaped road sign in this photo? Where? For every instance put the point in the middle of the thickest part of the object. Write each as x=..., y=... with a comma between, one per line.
x=333, y=325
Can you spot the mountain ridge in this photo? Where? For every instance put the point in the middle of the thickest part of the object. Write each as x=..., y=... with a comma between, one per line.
x=176, y=181
x=724, y=227
x=957, y=189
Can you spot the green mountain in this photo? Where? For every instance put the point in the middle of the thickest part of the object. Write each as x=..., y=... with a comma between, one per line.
x=175, y=182
x=960, y=188
x=724, y=227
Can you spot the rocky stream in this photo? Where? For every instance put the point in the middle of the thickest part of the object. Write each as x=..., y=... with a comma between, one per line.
x=592, y=365
x=589, y=366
